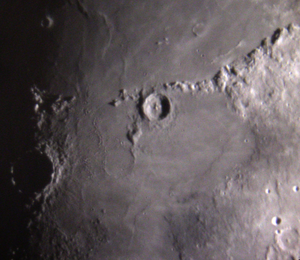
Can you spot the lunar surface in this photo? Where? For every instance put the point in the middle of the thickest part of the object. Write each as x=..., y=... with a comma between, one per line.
x=150, y=130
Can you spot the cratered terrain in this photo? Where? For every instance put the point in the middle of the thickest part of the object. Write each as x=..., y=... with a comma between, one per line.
x=150, y=130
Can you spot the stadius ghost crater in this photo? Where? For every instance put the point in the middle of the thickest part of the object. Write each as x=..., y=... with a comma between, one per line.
x=144, y=150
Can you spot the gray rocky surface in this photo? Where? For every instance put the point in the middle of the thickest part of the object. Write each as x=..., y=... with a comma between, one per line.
x=141, y=149
x=186, y=170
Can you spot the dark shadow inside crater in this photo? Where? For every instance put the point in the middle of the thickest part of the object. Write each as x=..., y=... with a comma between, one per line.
x=165, y=107
x=32, y=172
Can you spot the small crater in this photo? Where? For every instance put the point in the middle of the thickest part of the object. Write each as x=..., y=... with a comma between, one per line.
x=276, y=221
x=267, y=191
x=47, y=22
x=198, y=29
x=296, y=188
x=156, y=107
